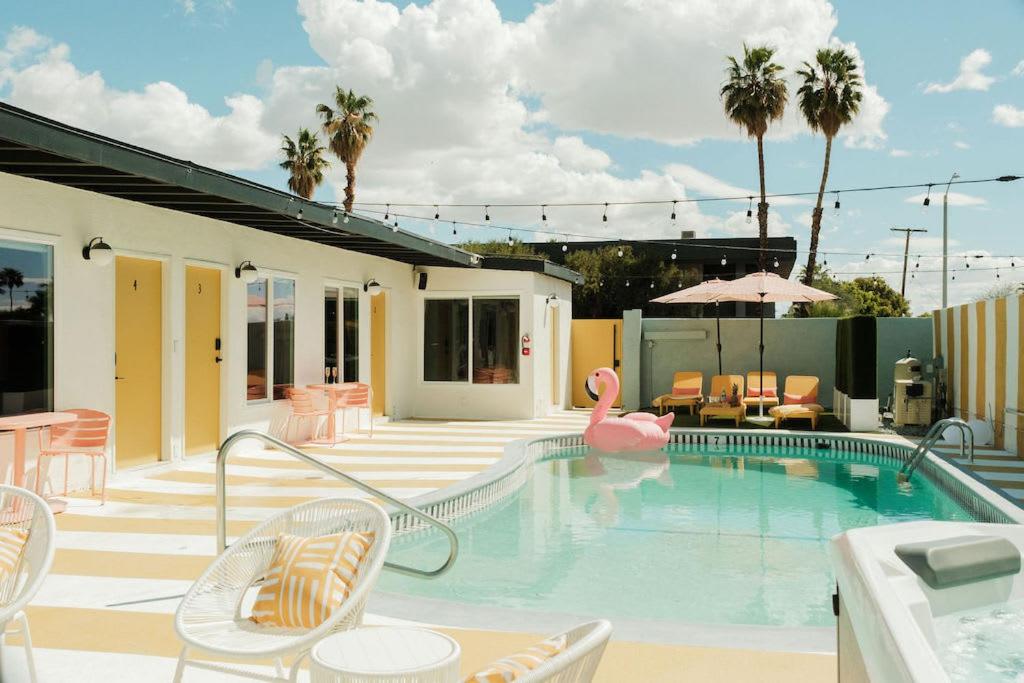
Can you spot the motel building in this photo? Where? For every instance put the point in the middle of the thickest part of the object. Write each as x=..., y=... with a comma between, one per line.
x=184, y=302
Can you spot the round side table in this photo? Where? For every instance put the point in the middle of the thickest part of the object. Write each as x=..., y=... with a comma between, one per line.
x=385, y=654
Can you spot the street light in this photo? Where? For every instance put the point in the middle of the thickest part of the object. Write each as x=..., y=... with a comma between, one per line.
x=945, y=238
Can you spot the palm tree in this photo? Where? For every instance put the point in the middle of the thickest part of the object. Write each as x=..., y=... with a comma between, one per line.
x=349, y=127
x=11, y=279
x=829, y=98
x=754, y=95
x=304, y=160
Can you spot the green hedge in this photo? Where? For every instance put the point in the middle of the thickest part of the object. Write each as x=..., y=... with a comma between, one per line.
x=856, y=349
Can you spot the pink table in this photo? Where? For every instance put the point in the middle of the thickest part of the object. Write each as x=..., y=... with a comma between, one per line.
x=334, y=393
x=20, y=424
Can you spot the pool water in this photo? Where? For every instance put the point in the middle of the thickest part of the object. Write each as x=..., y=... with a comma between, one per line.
x=983, y=645
x=718, y=535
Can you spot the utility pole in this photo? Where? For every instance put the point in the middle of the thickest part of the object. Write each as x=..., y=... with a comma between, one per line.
x=906, y=254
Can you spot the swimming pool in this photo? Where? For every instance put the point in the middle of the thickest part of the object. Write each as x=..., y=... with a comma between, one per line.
x=698, y=534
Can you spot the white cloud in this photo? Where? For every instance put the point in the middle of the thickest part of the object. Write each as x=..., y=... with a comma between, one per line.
x=960, y=144
x=160, y=116
x=574, y=154
x=969, y=77
x=1019, y=69
x=899, y=153
x=1008, y=115
x=710, y=186
x=955, y=199
x=188, y=6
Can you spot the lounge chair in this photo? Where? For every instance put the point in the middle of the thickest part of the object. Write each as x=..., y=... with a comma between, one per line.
x=719, y=410
x=213, y=618
x=686, y=391
x=577, y=663
x=799, y=401
x=753, y=396
x=23, y=511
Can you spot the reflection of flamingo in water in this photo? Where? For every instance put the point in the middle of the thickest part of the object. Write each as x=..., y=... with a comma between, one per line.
x=619, y=476
x=632, y=432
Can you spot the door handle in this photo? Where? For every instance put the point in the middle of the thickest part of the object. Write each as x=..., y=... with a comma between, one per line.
x=218, y=359
x=116, y=377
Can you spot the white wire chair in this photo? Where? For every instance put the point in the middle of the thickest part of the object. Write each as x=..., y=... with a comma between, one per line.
x=578, y=662
x=213, y=617
x=23, y=510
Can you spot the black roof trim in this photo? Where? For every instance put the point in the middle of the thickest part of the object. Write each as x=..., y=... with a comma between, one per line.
x=535, y=265
x=33, y=146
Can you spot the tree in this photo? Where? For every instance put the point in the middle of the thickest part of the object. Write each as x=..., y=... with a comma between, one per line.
x=754, y=95
x=304, y=160
x=499, y=248
x=1003, y=290
x=862, y=296
x=829, y=99
x=610, y=284
x=349, y=128
x=11, y=279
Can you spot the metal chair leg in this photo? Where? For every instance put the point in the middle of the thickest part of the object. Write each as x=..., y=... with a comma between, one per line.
x=27, y=637
x=180, y=669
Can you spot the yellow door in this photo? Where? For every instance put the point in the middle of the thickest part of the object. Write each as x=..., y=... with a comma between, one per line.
x=202, y=360
x=138, y=361
x=595, y=344
x=556, y=394
x=378, y=351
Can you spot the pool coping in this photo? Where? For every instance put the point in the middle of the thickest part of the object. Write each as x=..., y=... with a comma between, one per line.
x=504, y=478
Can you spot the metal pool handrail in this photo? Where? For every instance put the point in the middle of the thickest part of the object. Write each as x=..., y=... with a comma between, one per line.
x=221, y=486
x=929, y=440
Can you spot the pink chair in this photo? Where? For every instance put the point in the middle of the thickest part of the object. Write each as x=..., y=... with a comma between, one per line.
x=85, y=436
x=303, y=408
x=359, y=396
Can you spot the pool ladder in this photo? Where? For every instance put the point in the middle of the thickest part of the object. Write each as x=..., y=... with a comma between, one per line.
x=929, y=440
x=222, y=461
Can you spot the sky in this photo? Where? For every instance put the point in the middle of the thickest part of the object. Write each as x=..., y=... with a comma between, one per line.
x=570, y=101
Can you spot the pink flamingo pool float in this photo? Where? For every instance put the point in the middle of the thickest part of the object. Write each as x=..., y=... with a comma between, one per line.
x=631, y=432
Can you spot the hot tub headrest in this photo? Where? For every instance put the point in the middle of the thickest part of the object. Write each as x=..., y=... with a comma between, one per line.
x=962, y=559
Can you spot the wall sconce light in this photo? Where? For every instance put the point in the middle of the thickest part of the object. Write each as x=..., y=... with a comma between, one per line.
x=98, y=252
x=372, y=287
x=247, y=272
x=552, y=300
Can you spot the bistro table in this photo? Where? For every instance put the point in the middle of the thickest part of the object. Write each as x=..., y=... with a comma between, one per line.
x=385, y=654
x=334, y=394
x=20, y=424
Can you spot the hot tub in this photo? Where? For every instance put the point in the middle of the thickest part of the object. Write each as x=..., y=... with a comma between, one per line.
x=893, y=626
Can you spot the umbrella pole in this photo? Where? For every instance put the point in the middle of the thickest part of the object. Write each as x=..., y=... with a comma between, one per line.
x=718, y=344
x=760, y=400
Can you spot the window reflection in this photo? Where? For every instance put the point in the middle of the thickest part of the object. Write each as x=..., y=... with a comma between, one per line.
x=256, y=319
x=26, y=327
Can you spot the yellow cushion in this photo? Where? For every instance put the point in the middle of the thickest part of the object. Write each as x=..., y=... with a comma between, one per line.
x=309, y=578
x=12, y=543
x=512, y=667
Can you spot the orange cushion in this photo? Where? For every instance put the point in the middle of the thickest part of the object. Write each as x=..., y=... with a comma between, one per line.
x=769, y=392
x=12, y=543
x=685, y=391
x=797, y=399
x=518, y=665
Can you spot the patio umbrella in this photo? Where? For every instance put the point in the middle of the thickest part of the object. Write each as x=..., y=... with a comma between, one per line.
x=764, y=288
x=704, y=293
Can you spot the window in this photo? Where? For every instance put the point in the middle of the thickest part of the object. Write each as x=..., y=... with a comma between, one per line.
x=26, y=327
x=284, y=336
x=275, y=346
x=494, y=340
x=341, y=336
x=446, y=340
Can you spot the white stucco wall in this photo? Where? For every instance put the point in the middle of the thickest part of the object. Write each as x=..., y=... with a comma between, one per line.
x=84, y=309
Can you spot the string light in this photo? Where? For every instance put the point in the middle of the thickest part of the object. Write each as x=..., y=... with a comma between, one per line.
x=510, y=240
x=487, y=212
x=776, y=262
x=928, y=195
x=620, y=252
x=394, y=228
x=437, y=214
x=454, y=230
x=627, y=283
x=334, y=217
x=604, y=218
x=868, y=257
x=345, y=218
x=674, y=254
x=673, y=217
x=652, y=284
x=724, y=260
x=837, y=203
x=299, y=214
x=824, y=263
x=750, y=209
x=543, y=213
x=966, y=262
x=565, y=248
x=387, y=212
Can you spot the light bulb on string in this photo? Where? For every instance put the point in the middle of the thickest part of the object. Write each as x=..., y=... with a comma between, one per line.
x=437, y=213
x=724, y=260
x=837, y=203
x=674, y=254
x=673, y=217
x=966, y=262
x=627, y=283
x=394, y=228
x=387, y=211
x=454, y=229
x=775, y=263
x=868, y=257
x=334, y=217
x=565, y=248
x=510, y=240
x=652, y=284
x=487, y=212
x=928, y=196
x=750, y=209
x=620, y=252
x=543, y=212
x=604, y=218
x=997, y=273
x=345, y=218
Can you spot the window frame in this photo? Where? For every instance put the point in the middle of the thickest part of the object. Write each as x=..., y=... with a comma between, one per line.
x=340, y=286
x=271, y=275
x=518, y=296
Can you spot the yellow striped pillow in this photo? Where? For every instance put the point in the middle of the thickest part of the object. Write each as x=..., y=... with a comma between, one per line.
x=309, y=578
x=12, y=543
x=510, y=668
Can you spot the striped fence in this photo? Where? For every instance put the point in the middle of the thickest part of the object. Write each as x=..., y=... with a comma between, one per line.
x=981, y=344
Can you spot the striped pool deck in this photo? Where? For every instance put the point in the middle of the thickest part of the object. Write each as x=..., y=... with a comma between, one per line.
x=998, y=468
x=155, y=535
